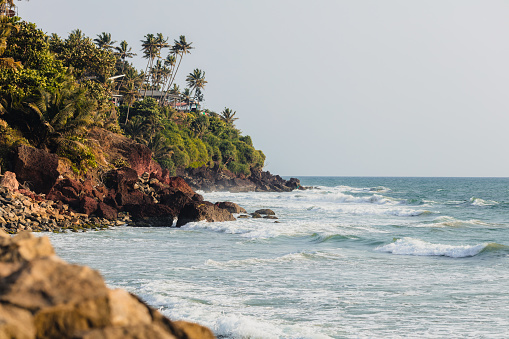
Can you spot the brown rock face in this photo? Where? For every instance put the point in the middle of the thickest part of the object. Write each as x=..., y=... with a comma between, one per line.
x=180, y=184
x=116, y=146
x=36, y=167
x=43, y=297
x=9, y=181
x=106, y=211
x=88, y=205
x=197, y=211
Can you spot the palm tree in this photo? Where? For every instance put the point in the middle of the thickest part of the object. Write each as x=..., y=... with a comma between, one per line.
x=135, y=128
x=129, y=92
x=149, y=53
x=103, y=41
x=6, y=27
x=158, y=144
x=159, y=74
x=186, y=96
x=196, y=81
x=180, y=48
x=61, y=113
x=169, y=62
x=124, y=52
x=175, y=92
x=152, y=46
x=228, y=116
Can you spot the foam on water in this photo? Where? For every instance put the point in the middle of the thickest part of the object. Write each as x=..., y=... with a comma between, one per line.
x=481, y=202
x=215, y=308
x=410, y=246
x=447, y=221
x=292, y=257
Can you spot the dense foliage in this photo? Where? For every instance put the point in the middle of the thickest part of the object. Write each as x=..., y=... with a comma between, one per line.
x=191, y=139
x=53, y=89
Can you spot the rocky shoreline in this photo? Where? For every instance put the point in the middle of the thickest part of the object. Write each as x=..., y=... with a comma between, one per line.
x=41, y=193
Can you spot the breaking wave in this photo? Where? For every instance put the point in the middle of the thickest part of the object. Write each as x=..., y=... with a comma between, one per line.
x=410, y=246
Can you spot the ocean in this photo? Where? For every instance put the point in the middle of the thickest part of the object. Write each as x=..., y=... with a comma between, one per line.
x=351, y=258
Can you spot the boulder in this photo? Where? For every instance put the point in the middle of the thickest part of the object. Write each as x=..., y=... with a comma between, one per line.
x=23, y=247
x=9, y=181
x=293, y=183
x=124, y=197
x=197, y=211
x=44, y=297
x=175, y=199
x=157, y=215
x=230, y=207
x=122, y=178
x=88, y=205
x=265, y=211
x=180, y=184
x=36, y=167
x=65, y=190
x=106, y=211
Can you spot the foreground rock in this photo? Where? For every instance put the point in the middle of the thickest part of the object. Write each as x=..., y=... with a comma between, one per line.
x=43, y=297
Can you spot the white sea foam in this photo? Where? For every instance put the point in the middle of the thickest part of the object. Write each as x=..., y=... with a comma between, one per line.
x=302, y=256
x=239, y=326
x=410, y=246
x=360, y=210
x=481, y=202
x=447, y=221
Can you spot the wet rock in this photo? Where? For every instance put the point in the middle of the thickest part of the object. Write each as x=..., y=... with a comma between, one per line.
x=197, y=211
x=265, y=211
x=156, y=215
x=175, y=199
x=230, y=207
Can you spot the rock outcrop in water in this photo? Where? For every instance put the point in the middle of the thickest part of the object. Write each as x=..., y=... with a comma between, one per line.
x=217, y=179
x=42, y=296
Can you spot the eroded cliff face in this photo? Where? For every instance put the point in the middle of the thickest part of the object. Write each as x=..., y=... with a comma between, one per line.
x=42, y=296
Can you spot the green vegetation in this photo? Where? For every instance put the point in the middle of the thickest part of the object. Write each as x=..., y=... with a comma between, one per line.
x=53, y=89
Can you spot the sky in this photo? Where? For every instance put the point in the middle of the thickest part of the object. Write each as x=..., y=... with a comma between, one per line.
x=331, y=87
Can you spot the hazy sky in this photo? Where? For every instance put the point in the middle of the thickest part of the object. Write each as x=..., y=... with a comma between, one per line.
x=353, y=88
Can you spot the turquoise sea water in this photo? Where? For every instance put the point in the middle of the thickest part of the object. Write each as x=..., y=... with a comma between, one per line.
x=352, y=258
